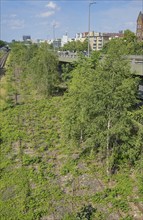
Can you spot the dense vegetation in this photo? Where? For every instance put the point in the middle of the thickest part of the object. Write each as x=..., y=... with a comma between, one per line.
x=2, y=43
x=76, y=156
x=129, y=42
x=76, y=46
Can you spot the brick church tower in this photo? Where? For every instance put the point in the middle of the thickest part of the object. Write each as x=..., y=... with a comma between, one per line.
x=139, y=30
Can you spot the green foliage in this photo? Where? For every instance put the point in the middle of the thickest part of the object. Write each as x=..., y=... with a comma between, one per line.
x=27, y=160
x=97, y=107
x=2, y=43
x=43, y=69
x=69, y=217
x=24, y=129
x=69, y=167
x=31, y=73
x=66, y=72
x=122, y=205
x=100, y=96
x=130, y=44
x=49, y=172
x=76, y=46
x=129, y=36
x=85, y=213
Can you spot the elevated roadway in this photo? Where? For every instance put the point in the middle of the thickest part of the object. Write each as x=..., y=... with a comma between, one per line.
x=135, y=61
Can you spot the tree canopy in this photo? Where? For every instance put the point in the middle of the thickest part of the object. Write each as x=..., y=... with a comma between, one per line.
x=72, y=156
x=32, y=72
x=130, y=44
x=76, y=46
x=2, y=43
x=97, y=107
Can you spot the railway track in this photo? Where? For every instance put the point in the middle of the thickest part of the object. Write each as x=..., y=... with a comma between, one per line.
x=3, y=60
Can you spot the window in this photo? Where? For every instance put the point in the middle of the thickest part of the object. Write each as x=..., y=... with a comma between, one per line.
x=139, y=25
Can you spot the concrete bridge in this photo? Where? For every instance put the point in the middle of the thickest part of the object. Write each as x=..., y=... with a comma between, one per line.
x=136, y=64
x=135, y=60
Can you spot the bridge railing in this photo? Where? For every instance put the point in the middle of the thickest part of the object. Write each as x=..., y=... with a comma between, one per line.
x=132, y=58
x=136, y=61
x=67, y=54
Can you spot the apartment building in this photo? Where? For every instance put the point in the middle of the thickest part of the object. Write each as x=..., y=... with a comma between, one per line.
x=97, y=39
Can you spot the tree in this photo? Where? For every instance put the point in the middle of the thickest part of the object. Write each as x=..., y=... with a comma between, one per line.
x=15, y=67
x=75, y=103
x=31, y=72
x=129, y=36
x=43, y=68
x=2, y=43
x=118, y=92
x=98, y=104
x=76, y=46
x=129, y=43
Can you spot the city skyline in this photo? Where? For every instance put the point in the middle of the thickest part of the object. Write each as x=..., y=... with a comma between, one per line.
x=38, y=17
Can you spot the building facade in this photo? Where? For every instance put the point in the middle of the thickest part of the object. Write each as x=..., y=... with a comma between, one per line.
x=26, y=38
x=97, y=39
x=139, y=29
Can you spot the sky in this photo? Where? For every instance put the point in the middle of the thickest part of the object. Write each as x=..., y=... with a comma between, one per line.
x=43, y=19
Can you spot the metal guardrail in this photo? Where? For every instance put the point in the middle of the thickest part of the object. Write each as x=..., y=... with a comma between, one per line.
x=67, y=54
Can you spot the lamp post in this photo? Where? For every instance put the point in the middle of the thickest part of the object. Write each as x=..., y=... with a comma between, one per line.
x=91, y=3
x=54, y=25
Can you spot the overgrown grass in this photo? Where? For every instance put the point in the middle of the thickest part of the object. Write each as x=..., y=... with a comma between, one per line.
x=40, y=176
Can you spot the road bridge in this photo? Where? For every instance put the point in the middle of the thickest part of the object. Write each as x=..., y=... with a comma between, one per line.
x=136, y=61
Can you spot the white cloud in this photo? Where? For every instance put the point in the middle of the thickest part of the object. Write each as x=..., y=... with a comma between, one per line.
x=14, y=23
x=51, y=5
x=46, y=14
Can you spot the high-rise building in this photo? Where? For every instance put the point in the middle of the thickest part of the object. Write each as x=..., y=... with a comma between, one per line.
x=139, y=30
x=26, y=38
x=64, y=40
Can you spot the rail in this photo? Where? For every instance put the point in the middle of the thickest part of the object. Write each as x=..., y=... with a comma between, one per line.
x=3, y=60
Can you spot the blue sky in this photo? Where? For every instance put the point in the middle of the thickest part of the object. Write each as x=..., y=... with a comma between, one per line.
x=37, y=17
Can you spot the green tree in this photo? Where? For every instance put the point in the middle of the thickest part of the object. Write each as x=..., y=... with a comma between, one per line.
x=129, y=42
x=2, y=43
x=15, y=66
x=76, y=46
x=31, y=72
x=98, y=104
x=43, y=68
x=75, y=103
x=129, y=36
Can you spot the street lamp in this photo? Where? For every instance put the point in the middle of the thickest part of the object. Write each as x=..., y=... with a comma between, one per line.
x=54, y=25
x=91, y=3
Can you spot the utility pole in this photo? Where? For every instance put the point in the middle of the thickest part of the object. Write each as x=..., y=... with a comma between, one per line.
x=91, y=3
x=54, y=25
